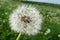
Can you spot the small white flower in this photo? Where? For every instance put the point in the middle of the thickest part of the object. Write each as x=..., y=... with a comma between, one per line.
x=47, y=32
x=58, y=35
x=25, y=19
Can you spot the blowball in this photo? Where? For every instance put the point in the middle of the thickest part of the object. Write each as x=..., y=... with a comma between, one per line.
x=26, y=19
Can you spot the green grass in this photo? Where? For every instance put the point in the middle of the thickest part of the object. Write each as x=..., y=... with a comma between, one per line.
x=51, y=16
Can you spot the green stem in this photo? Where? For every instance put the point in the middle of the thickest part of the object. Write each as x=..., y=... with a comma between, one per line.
x=18, y=36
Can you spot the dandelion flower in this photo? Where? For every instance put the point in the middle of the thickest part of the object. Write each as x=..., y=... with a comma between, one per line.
x=25, y=19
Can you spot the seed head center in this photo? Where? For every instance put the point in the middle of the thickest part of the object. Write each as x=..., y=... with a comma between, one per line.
x=26, y=19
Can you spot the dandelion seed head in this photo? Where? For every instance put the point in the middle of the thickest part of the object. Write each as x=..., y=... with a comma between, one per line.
x=26, y=19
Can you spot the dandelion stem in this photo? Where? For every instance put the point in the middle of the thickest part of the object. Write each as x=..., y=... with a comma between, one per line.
x=18, y=36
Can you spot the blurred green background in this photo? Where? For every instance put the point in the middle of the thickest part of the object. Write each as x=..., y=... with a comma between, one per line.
x=51, y=16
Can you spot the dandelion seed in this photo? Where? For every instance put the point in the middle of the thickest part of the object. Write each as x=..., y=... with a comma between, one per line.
x=26, y=19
